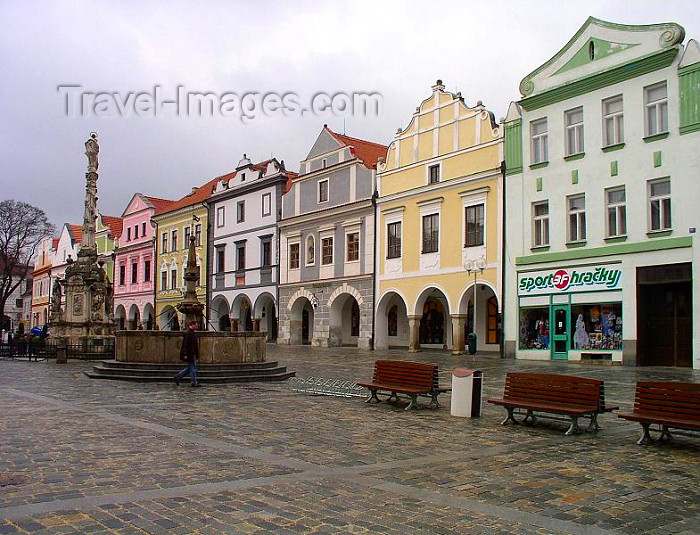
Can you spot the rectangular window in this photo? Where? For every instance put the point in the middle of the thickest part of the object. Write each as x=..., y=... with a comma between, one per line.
x=660, y=204
x=574, y=131
x=122, y=275
x=474, y=225
x=266, y=204
x=136, y=231
x=147, y=271
x=164, y=244
x=134, y=273
x=240, y=211
x=617, y=211
x=538, y=135
x=220, y=260
x=266, y=249
x=198, y=234
x=143, y=228
x=353, y=247
x=220, y=216
x=323, y=191
x=656, y=104
x=293, y=256
x=577, y=217
x=186, y=240
x=173, y=279
x=393, y=246
x=173, y=240
x=613, y=126
x=128, y=234
x=596, y=326
x=534, y=328
x=431, y=233
x=163, y=280
x=327, y=251
x=540, y=220
x=240, y=256
x=434, y=174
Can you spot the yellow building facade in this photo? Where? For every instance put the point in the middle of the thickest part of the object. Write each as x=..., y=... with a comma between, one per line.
x=439, y=228
x=183, y=218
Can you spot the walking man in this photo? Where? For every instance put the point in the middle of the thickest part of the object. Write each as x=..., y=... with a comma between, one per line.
x=189, y=352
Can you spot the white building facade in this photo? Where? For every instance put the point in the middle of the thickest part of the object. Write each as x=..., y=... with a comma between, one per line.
x=243, y=247
x=602, y=201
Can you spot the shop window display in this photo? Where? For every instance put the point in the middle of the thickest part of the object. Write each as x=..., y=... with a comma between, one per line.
x=534, y=328
x=597, y=326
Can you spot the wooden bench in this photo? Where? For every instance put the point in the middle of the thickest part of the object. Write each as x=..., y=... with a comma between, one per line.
x=668, y=404
x=405, y=377
x=566, y=395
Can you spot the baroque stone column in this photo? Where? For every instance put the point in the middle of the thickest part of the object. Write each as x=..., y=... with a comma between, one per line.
x=414, y=334
x=458, y=322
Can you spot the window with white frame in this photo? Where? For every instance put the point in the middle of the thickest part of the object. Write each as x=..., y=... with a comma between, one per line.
x=574, y=131
x=393, y=245
x=577, y=217
x=198, y=234
x=323, y=190
x=164, y=243
x=266, y=204
x=431, y=233
x=327, y=250
x=163, y=280
x=474, y=225
x=293, y=256
x=352, y=240
x=434, y=173
x=186, y=240
x=538, y=137
x=310, y=251
x=540, y=224
x=617, y=211
x=173, y=278
x=220, y=216
x=656, y=104
x=660, y=204
x=240, y=211
x=220, y=259
x=143, y=228
x=613, y=125
x=173, y=239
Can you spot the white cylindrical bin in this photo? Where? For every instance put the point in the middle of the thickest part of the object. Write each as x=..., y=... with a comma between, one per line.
x=466, y=393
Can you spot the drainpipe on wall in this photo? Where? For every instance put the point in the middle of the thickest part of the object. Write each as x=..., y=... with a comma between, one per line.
x=503, y=261
x=375, y=195
x=155, y=264
x=208, y=268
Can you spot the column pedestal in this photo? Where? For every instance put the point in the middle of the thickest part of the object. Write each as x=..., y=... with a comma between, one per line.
x=414, y=334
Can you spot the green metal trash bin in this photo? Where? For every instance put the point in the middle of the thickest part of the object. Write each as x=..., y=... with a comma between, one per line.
x=471, y=342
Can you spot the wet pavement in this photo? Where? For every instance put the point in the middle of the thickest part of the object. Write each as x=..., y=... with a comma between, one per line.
x=94, y=456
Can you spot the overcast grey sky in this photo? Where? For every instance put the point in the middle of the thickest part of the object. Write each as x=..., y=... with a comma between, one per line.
x=398, y=49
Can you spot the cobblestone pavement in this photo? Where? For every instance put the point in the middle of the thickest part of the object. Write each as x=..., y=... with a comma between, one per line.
x=92, y=456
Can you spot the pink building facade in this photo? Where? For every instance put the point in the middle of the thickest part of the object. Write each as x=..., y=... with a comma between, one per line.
x=134, y=264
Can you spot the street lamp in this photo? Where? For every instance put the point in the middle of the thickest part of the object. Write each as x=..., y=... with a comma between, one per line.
x=476, y=267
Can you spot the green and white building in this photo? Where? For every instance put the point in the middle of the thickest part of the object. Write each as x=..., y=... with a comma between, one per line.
x=603, y=200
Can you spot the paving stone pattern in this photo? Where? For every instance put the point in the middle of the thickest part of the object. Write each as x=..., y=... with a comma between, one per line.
x=90, y=456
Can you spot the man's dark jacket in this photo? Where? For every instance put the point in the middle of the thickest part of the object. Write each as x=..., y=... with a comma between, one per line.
x=190, y=347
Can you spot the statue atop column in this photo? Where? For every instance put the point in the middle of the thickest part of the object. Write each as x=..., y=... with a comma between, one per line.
x=92, y=149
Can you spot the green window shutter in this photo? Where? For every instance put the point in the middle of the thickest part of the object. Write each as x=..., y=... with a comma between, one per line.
x=689, y=81
x=514, y=147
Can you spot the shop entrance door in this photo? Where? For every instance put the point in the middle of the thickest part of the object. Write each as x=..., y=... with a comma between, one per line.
x=560, y=332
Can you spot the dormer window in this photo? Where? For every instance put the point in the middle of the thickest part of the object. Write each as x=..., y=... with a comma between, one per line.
x=591, y=50
x=324, y=163
x=242, y=177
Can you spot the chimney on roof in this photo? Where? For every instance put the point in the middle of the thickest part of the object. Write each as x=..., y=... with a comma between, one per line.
x=194, y=190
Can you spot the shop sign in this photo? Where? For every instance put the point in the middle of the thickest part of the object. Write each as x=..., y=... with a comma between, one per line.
x=579, y=279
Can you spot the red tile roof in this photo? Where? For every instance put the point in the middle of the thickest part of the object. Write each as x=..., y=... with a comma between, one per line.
x=115, y=224
x=161, y=205
x=367, y=151
x=197, y=196
x=54, y=242
x=76, y=231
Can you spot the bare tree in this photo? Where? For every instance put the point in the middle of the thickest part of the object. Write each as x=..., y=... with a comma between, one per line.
x=22, y=227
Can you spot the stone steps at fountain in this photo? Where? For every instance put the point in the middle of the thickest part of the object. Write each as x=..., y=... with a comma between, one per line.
x=206, y=373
